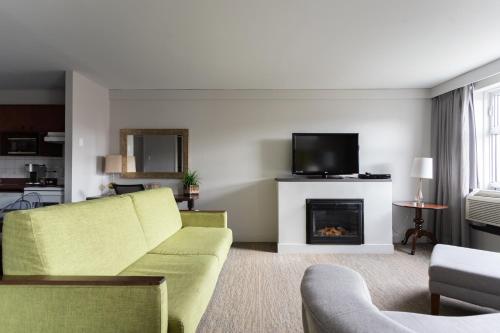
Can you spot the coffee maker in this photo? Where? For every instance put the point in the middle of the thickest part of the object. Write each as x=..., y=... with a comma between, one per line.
x=35, y=172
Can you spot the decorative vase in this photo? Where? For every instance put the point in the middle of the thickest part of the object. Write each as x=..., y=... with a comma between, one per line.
x=191, y=189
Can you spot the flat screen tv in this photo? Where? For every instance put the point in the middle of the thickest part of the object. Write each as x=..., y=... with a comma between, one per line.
x=325, y=153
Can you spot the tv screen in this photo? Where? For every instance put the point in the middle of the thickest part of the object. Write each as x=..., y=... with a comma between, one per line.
x=325, y=153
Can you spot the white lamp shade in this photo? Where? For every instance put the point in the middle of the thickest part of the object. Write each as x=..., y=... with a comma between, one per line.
x=130, y=163
x=422, y=168
x=113, y=164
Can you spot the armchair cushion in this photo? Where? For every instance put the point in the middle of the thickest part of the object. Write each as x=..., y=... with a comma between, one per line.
x=467, y=274
x=191, y=281
x=466, y=268
x=198, y=240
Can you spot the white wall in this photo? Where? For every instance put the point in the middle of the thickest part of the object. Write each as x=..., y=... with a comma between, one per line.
x=32, y=96
x=87, y=136
x=241, y=140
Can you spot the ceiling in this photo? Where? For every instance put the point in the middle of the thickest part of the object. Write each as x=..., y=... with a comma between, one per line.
x=252, y=44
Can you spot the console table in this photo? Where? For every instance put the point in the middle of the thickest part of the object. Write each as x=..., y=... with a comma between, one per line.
x=178, y=198
x=186, y=197
x=418, y=231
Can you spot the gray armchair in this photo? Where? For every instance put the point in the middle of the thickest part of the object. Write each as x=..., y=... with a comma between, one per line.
x=335, y=299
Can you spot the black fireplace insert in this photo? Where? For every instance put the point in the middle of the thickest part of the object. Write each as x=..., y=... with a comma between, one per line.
x=334, y=221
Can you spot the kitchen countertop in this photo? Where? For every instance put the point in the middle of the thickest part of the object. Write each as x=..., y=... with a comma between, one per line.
x=38, y=188
x=18, y=185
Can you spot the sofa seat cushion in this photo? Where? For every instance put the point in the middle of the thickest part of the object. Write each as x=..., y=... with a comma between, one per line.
x=466, y=268
x=191, y=281
x=198, y=240
x=421, y=323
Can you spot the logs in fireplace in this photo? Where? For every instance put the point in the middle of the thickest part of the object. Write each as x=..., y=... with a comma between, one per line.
x=334, y=221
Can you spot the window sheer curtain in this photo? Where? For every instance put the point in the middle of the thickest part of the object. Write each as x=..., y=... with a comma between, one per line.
x=453, y=140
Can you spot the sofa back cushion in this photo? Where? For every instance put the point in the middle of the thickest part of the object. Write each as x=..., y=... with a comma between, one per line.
x=97, y=237
x=158, y=214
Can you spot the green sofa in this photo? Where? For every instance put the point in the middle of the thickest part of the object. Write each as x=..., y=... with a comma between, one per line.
x=129, y=263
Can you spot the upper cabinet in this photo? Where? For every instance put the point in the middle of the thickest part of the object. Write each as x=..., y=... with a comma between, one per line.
x=31, y=122
x=32, y=118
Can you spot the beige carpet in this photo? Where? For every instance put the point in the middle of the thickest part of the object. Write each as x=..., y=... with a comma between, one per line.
x=258, y=290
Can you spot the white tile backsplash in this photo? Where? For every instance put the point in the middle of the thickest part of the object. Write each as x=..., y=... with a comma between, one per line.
x=13, y=166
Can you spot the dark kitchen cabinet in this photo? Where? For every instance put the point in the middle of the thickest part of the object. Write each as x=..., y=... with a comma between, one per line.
x=49, y=148
x=38, y=119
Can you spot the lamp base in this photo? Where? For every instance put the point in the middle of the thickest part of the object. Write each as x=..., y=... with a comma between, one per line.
x=419, y=197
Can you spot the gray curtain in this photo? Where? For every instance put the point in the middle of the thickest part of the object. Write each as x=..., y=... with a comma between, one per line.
x=453, y=140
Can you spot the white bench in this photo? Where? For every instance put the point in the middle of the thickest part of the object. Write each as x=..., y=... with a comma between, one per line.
x=466, y=274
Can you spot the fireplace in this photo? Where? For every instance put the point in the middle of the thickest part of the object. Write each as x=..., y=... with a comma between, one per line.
x=334, y=221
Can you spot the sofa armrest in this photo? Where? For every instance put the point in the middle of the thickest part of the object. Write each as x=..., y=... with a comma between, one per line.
x=83, y=304
x=204, y=218
x=81, y=280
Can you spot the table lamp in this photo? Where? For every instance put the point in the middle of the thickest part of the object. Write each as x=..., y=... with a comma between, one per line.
x=421, y=169
x=112, y=165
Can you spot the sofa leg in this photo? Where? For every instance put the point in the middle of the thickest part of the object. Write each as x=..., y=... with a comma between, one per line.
x=435, y=304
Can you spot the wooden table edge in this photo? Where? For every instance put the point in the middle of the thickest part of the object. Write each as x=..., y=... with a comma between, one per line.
x=412, y=204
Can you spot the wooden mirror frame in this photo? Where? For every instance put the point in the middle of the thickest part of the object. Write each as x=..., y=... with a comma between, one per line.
x=124, y=132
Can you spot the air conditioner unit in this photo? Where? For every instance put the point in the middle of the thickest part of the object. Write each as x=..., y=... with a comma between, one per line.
x=483, y=206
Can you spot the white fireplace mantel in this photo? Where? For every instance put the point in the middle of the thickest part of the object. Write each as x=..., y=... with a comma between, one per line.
x=292, y=195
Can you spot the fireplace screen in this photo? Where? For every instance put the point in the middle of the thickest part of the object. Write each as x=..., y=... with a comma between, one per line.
x=334, y=221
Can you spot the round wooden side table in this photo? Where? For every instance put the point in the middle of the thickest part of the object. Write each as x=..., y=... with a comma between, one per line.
x=417, y=231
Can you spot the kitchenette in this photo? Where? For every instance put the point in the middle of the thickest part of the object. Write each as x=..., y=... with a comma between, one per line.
x=31, y=156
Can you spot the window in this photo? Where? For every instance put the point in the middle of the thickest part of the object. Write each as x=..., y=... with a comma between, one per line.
x=487, y=108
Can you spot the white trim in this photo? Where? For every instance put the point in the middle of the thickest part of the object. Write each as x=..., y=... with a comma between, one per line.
x=68, y=136
x=323, y=248
x=487, y=137
x=492, y=82
x=159, y=94
x=472, y=76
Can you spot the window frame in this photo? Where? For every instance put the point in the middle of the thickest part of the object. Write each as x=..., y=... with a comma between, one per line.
x=488, y=137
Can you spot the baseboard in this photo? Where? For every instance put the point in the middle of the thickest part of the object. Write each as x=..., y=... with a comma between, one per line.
x=310, y=248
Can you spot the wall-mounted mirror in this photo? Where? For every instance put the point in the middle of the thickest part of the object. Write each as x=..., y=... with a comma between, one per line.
x=154, y=153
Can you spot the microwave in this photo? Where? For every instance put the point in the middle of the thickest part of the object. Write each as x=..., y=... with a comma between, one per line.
x=20, y=144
